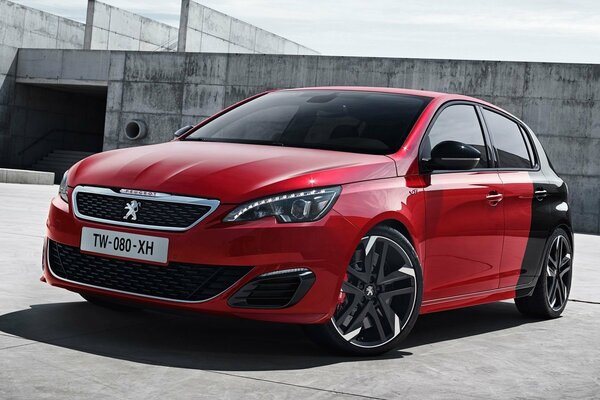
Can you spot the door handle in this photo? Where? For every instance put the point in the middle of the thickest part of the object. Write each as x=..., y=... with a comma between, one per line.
x=540, y=194
x=494, y=198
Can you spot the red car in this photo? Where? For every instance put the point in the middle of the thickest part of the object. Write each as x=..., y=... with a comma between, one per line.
x=348, y=210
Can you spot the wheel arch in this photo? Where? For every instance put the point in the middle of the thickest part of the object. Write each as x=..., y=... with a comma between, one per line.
x=566, y=226
x=562, y=224
x=399, y=226
x=397, y=221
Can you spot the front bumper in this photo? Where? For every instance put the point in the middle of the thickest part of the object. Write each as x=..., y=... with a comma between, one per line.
x=324, y=247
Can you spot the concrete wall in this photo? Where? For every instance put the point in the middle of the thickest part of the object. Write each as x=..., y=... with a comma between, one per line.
x=23, y=27
x=26, y=177
x=115, y=29
x=561, y=102
x=203, y=29
x=65, y=119
x=111, y=28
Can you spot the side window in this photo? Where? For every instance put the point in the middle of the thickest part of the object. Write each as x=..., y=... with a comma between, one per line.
x=459, y=123
x=509, y=141
x=529, y=145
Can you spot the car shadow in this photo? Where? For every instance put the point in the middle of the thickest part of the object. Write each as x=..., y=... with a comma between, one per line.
x=219, y=343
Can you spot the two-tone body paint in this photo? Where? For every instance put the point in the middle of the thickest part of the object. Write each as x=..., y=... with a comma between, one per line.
x=470, y=252
x=476, y=251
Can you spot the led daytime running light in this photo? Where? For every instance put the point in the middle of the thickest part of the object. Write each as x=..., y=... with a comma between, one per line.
x=329, y=195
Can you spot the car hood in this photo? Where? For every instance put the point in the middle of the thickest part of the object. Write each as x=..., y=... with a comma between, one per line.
x=230, y=172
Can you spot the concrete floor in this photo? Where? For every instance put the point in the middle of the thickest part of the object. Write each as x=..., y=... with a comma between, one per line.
x=54, y=345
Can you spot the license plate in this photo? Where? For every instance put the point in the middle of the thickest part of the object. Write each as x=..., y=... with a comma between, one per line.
x=127, y=245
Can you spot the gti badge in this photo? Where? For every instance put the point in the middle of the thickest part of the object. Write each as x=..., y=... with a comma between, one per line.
x=132, y=208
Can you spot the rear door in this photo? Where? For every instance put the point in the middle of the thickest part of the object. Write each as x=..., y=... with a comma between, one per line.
x=464, y=217
x=524, y=187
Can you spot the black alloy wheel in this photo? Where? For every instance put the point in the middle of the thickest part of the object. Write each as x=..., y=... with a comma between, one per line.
x=379, y=299
x=551, y=293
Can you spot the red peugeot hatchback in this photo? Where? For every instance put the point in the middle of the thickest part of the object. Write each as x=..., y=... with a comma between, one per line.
x=348, y=210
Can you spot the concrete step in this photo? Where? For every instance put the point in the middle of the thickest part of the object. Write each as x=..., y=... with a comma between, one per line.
x=73, y=152
x=58, y=161
x=61, y=159
x=50, y=167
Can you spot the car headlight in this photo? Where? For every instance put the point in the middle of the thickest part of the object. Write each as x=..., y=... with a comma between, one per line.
x=62, y=189
x=303, y=206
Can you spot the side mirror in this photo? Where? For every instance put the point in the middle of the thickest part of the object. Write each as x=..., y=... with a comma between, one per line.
x=182, y=131
x=451, y=155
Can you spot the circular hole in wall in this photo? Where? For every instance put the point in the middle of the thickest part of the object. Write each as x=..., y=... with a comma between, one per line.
x=135, y=129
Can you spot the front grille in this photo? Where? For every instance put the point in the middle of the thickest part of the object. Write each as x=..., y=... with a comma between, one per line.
x=176, y=281
x=274, y=291
x=150, y=212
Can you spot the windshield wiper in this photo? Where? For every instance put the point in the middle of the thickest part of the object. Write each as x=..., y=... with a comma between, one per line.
x=241, y=141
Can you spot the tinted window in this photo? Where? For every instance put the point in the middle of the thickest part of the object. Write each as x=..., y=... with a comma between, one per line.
x=529, y=145
x=458, y=123
x=364, y=122
x=509, y=141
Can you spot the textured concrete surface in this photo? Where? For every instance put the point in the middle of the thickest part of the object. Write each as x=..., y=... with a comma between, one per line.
x=26, y=177
x=112, y=28
x=53, y=345
x=106, y=28
x=44, y=119
x=24, y=27
x=203, y=29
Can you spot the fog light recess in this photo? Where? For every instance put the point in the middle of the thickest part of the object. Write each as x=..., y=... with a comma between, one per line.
x=276, y=289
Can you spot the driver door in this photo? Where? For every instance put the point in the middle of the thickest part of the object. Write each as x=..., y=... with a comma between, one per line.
x=464, y=212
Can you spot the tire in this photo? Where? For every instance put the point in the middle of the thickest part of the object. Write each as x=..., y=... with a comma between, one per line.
x=378, y=305
x=551, y=293
x=109, y=304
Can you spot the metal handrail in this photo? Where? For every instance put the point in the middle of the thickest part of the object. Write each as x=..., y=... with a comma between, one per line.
x=51, y=131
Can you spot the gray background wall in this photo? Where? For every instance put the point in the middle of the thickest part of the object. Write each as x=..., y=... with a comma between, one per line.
x=107, y=28
x=206, y=30
x=111, y=28
x=23, y=27
x=69, y=121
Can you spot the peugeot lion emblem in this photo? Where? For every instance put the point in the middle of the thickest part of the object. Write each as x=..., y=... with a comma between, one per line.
x=132, y=208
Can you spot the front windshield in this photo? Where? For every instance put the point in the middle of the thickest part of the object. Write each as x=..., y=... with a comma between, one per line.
x=354, y=121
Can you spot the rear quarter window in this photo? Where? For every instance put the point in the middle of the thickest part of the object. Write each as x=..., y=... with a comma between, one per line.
x=508, y=140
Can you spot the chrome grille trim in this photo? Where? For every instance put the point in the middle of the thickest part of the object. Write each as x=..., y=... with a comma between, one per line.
x=162, y=197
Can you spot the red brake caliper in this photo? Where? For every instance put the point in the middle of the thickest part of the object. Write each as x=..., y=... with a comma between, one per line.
x=342, y=295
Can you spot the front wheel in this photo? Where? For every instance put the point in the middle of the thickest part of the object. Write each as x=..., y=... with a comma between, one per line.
x=380, y=297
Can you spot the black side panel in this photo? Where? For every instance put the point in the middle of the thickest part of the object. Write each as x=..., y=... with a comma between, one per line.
x=538, y=232
x=549, y=210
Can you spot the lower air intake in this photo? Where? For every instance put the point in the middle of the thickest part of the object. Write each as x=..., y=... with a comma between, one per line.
x=278, y=289
x=175, y=281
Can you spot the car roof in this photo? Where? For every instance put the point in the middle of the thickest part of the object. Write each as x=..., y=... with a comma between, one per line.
x=440, y=97
x=413, y=92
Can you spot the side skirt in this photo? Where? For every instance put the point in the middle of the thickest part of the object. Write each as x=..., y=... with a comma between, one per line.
x=473, y=299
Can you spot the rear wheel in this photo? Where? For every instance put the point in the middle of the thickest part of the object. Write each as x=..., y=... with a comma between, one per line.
x=106, y=303
x=379, y=299
x=551, y=293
